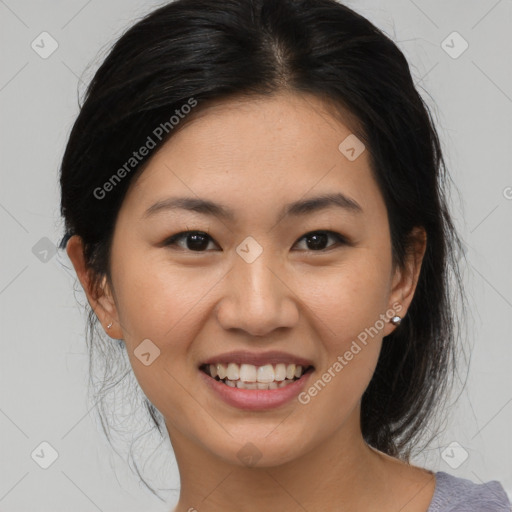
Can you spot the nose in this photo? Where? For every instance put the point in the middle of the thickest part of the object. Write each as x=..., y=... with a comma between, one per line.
x=257, y=298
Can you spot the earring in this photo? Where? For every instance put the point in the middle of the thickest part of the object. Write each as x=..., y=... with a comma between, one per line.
x=396, y=320
x=109, y=325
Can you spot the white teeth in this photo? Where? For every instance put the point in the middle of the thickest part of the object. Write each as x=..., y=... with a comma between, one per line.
x=257, y=385
x=280, y=372
x=248, y=376
x=221, y=371
x=233, y=372
x=266, y=373
x=248, y=373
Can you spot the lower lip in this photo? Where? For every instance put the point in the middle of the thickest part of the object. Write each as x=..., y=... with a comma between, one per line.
x=256, y=399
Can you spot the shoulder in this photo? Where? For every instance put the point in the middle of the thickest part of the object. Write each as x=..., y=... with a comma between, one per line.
x=454, y=494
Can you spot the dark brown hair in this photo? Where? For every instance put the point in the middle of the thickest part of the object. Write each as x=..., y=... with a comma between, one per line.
x=211, y=50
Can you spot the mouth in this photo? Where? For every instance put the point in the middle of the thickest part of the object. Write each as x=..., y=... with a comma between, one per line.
x=256, y=381
x=251, y=377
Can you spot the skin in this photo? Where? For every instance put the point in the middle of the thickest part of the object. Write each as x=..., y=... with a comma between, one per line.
x=253, y=156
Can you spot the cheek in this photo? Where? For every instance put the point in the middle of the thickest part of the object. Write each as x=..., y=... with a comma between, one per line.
x=347, y=307
x=350, y=297
x=164, y=304
x=157, y=300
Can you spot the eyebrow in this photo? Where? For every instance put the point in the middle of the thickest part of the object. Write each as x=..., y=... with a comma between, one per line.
x=297, y=208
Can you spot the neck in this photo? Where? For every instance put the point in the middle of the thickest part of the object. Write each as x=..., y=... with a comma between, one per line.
x=340, y=474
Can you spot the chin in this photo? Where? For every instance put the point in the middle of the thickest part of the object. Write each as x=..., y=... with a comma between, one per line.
x=262, y=447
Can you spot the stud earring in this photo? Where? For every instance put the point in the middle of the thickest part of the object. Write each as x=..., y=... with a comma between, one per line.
x=396, y=320
x=109, y=325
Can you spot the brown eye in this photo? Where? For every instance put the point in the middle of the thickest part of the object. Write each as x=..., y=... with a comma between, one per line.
x=317, y=240
x=196, y=241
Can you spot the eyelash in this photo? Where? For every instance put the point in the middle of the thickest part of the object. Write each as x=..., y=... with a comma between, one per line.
x=171, y=241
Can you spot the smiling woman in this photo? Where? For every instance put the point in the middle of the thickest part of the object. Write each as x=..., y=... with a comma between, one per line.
x=284, y=254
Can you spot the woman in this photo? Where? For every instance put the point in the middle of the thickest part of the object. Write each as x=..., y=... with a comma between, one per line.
x=254, y=199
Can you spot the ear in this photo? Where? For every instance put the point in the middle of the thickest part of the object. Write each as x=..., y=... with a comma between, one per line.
x=99, y=295
x=405, y=279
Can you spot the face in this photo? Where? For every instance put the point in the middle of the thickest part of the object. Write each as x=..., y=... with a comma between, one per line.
x=291, y=265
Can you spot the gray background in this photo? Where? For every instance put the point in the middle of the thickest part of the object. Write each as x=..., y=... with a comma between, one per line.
x=44, y=358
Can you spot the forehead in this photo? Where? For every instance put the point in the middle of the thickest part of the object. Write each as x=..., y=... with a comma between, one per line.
x=262, y=148
x=283, y=122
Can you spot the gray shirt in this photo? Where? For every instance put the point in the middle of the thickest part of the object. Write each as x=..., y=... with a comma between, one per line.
x=454, y=494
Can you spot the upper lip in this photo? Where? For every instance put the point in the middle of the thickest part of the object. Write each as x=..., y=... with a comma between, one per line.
x=258, y=358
